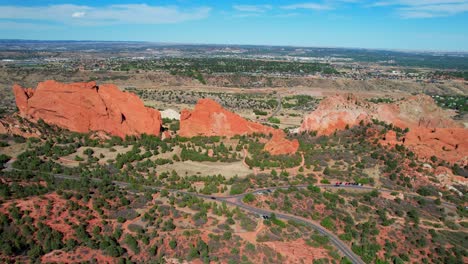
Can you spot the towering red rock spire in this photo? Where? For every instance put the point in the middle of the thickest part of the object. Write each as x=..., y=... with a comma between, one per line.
x=210, y=119
x=84, y=107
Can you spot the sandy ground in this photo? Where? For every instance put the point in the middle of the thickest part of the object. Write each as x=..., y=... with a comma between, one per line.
x=188, y=167
x=69, y=160
x=375, y=174
x=250, y=236
x=14, y=149
x=79, y=255
x=297, y=251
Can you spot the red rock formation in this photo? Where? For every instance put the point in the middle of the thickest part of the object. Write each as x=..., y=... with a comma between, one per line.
x=13, y=126
x=84, y=107
x=3, y=129
x=449, y=144
x=431, y=129
x=211, y=119
x=278, y=145
x=335, y=112
x=446, y=177
x=22, y=95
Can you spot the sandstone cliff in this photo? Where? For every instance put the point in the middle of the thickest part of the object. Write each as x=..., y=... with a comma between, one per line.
x=432, y=131
x=211, y=119
x=84, y=107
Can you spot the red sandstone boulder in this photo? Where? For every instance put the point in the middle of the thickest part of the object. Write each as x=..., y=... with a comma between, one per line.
x=211, y=119
x=432, y=131
x=447, y=144
x=336, y=112
x=278, y=145
x=3, y=129
x=84, y=107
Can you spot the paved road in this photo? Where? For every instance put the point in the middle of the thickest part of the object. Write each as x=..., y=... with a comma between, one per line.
x=333, y=239
x=278, y=108
x=332, y=186
x=236, y=200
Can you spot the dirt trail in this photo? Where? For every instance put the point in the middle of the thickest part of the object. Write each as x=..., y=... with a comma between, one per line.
x=252, y=236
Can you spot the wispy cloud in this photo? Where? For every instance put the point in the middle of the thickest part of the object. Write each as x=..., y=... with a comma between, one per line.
x=112, y=14
x=252, y=8
x=312, y=6
x=426, y=8
x=11, y=25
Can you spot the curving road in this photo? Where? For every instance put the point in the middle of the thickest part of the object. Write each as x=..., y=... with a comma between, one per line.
x=278, y=108
x=236, y=200
x=345, y=250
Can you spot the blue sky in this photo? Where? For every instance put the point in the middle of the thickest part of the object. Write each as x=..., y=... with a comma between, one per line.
x=389, y=24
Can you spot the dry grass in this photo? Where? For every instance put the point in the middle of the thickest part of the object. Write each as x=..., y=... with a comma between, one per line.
x=228, y=170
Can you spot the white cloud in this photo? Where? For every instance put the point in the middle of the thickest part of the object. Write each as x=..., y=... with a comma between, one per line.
x=252, y=8
x=312, y=6
x=112, y=14
x=9, y=25
x=418, y=2
x=78, y=14
x=426, y=8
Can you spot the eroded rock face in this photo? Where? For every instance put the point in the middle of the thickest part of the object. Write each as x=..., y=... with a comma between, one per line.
x=447, y=144
x=211, y=119
x=3, y=129
x=432, y=131
x=84, y=107
x=335, y=112
x=278, y=145
x=13, y=126
x=446, y=177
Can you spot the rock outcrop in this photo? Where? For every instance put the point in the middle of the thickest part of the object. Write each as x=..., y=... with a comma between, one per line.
x=84, y=107
x=279, y=145
x=449, y=144
x=211, y=119
x=337, y=112
x=14, y=125
x=432, y=131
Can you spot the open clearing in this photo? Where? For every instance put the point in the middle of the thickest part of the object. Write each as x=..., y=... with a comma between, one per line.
x=228, y=170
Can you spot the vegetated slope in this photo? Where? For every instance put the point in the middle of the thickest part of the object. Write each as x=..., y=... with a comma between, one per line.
x=93, y=215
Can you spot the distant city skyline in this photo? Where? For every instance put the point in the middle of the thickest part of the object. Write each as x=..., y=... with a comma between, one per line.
x=426, y=25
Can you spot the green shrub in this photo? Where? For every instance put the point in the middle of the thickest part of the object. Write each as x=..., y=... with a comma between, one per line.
x=328, y=223
x=248, y=198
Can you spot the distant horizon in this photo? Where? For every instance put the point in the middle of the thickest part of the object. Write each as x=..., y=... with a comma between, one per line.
x=237, y=44
x=404, y=25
